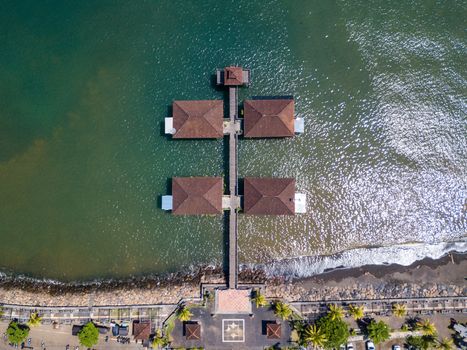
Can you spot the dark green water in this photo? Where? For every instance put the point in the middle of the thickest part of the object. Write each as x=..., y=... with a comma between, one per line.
x=85, y=86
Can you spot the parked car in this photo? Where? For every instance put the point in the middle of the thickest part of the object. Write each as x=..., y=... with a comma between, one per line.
x=370, y=345
x=350, y=346
x=396, y=347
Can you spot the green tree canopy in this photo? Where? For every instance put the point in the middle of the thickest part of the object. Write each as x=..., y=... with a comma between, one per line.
x=426, y=327
x=335, y=330
x=445, y=344
x=184, y=314
x=282, y=310
x=420, y=343
x=34, y=320
x=399, y=310
x=314, y=336
x=159, y=340
x=357, y=312
x=259, y=299
x=88, y=335
x=335, y=312
x=17, y=333
x=378, y=331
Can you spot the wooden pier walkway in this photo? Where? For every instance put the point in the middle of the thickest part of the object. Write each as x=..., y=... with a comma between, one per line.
x=233, y=190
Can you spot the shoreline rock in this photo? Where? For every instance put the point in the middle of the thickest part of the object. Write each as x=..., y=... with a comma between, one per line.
x=427, y=278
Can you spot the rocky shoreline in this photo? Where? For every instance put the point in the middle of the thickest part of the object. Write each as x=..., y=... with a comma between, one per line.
x=425, y=278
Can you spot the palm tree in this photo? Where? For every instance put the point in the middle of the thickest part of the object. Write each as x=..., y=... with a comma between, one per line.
x=184, y=314
x=314, y=336
x=159, y=341
x=335, y=312
x=445, y=344
x=282, y=310
x=399, y=310
x=378, y=331
x=426, y=327
x=259, y=299
x=34, y=320
x=357, y=312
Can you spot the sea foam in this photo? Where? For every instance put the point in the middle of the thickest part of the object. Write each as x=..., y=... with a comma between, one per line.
x=403, y=254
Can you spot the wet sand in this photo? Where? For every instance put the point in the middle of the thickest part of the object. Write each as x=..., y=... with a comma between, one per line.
x=425, y=278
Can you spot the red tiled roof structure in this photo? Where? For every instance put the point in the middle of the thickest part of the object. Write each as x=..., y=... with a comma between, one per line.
x=193, y=331
x=273, y=331
x=233, y=76
x=197, y=195
x=198, y=119
x=141, y=330
x=233, y=301
x=269, y=118
x=269, y=196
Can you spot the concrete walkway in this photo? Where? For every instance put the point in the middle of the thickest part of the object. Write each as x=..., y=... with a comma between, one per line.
x=233, y=189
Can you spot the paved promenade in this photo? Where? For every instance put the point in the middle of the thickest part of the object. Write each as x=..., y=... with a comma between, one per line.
x=67, y=316
x=383, y=307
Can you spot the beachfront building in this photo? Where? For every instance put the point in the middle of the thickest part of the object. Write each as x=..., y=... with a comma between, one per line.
x=196, y=119
x=271, y=118
x=233, y=76
x=272, y=196
x=195, y=196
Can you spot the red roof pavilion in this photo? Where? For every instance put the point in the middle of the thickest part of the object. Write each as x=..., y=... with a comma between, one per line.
x=198, y=119
x=269, y=196
x=141, y=330
x=269, y=118
x=197, y=195
x=273, y=330
x=193, y=331
x=233, y=76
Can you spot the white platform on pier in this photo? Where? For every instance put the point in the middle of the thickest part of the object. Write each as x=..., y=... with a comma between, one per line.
x=169, y=126
x=167, y=202
x=299, y=125
x=300, y=203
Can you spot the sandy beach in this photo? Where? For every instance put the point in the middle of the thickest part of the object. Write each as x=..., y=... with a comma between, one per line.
x=425, y=278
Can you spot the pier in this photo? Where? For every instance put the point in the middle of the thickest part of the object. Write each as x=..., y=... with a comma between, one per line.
x=233, y=77
x=262, y=118
x=233, y=190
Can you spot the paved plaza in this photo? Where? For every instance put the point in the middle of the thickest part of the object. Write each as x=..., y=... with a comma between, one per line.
x=232, y=331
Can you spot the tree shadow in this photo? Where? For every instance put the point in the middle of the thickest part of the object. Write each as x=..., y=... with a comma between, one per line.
x=412, y=322
x=363, y=323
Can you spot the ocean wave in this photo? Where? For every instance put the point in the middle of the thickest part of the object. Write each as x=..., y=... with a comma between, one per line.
x=187, y=274
x=403, y=254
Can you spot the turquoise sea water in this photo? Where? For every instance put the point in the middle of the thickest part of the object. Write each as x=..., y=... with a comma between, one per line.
x=85, y=86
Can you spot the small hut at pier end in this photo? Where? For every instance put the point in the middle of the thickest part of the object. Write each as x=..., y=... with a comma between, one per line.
x=233, y=76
